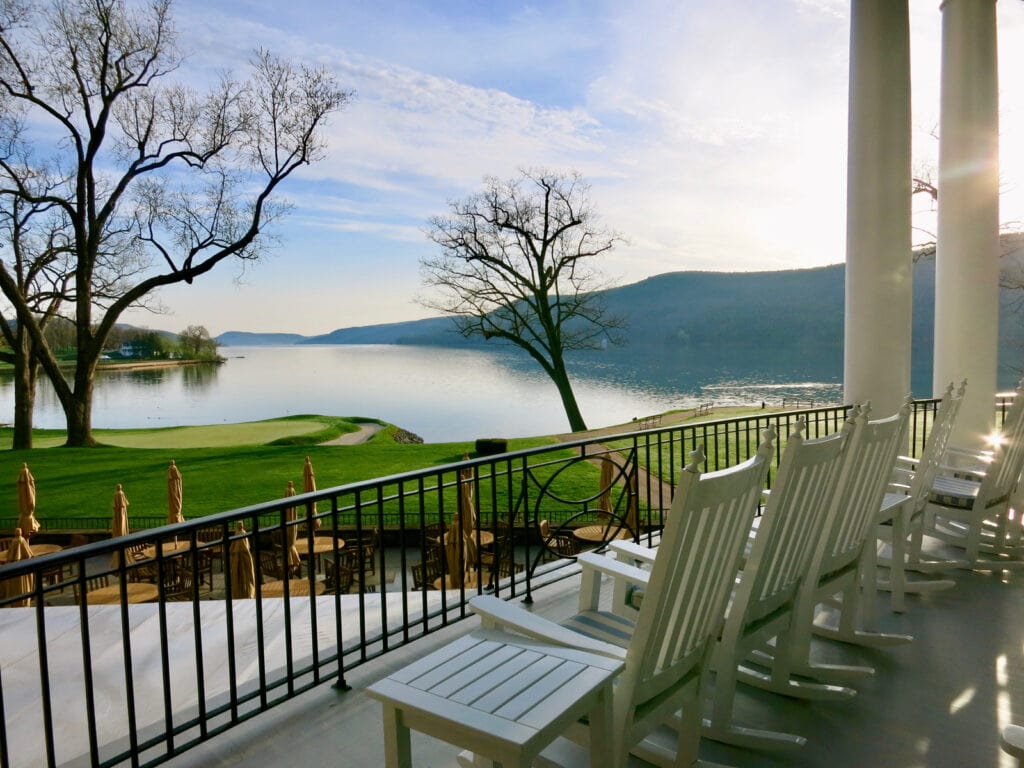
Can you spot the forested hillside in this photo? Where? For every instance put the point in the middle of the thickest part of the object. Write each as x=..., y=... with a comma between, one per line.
x=789, y=311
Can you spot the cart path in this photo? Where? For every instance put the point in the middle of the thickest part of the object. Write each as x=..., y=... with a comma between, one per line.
x=364, y=433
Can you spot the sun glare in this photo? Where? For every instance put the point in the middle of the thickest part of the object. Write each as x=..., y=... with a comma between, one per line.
x=995, y=439
x=962, y=700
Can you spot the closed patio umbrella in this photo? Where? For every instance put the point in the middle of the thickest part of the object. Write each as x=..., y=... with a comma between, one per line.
x=467, y=513
x=460, y=540
x=453, y=544
x=291, y=555
x=243, y=576
x=27, y=502
x=308, y=486
x=174, y=495
x=119, y=522
x=18, y=549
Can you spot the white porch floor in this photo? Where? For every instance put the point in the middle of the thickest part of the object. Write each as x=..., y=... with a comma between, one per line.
x=937, y=702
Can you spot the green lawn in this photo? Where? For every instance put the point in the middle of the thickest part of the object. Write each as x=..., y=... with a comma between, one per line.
x=235, y=467
x=294, y=430
x=229, y=466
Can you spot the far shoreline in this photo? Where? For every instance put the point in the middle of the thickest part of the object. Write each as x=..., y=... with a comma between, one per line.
x=128, y=365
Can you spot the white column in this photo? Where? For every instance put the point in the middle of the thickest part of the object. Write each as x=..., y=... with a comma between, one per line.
x=967, y=255
x=879, y=294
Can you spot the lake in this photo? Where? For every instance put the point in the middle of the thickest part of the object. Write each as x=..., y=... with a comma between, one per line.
x=440, y=394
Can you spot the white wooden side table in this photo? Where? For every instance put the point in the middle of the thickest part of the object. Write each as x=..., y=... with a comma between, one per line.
x=502, y=696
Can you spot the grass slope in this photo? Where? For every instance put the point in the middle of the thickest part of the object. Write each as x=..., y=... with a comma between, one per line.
x=220, y=475
x=289, y=430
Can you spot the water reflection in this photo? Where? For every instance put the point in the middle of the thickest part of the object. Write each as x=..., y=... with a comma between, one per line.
x=199, y=376
x=450, y=394
x=141, y=377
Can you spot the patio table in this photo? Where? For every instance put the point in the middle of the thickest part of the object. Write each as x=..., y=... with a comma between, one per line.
x=169, y=548
x=486, y=538
x=296, y=588
x=322, y=545
x=502, y=696
x=598, y=533
x=37, y=549
x=136, y=592
x=470, y=580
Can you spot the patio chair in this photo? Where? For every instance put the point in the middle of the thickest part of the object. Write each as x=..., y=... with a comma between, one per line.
x=204, y=565
x=91, y=583
x=338, y=578
x=433, y=534
x=367, y=544
x=973, y=509
x=141, y=566
x=183, y=586
x=667, y=648
x=498, y=560
x=271, y=563
x=424, y=574
x=839, y=566
x=211, y=540
x=557, y=545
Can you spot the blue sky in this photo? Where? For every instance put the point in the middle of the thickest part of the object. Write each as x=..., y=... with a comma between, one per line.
x=712, y=134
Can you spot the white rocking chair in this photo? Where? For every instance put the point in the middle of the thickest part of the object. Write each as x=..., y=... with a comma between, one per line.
x=763, y=601
x=974, y=510
x=667, y=648
x=901, y=517
x=839, y=567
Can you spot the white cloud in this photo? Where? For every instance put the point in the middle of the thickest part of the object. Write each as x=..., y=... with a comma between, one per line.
x=713, y=134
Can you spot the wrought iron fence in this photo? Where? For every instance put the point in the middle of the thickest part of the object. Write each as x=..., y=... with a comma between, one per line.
x=338, y=577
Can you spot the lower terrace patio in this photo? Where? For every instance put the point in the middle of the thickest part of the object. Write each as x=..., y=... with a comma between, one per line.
x=228, y=682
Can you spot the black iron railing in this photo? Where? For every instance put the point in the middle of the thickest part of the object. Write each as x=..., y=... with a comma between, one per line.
x=392, y=560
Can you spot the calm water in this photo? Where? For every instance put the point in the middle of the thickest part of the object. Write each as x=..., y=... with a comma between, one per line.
x=439, y=394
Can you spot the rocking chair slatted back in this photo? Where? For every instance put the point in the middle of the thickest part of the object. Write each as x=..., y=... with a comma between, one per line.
x=858, y=496
x=791, y=524
x=1001, y=478
x=927, y=466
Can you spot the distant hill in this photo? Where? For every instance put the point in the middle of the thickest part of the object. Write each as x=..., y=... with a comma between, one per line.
x=795, y=311
x=434, y=330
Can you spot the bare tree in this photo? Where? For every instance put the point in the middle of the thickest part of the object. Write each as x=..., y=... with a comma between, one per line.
x=516, y=264
x=33, y=242
x=158, y=183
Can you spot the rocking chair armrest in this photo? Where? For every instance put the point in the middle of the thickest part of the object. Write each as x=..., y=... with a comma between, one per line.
x=630, y=550
x=973, y=474
x=625, y=578
x=966, y=458
x=903, y=469
x=617, y=569
x=497, y=613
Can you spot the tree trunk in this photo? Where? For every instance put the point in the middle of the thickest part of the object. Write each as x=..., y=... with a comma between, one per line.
x=572, y=410
x=25, y=373
x=78, y=411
